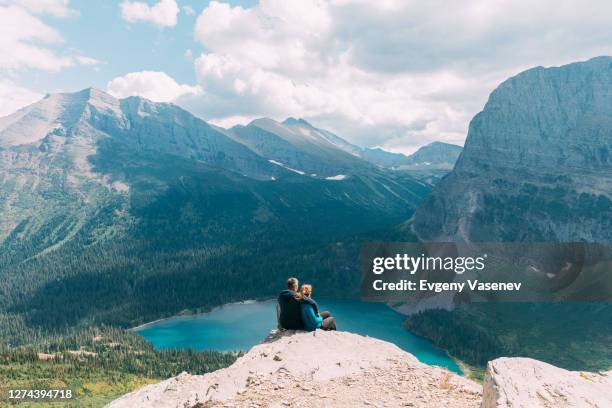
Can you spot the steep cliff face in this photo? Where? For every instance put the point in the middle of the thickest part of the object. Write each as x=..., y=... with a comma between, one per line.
x=537, y=163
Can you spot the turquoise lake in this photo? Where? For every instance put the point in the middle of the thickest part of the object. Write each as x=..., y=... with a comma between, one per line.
x=239, y=326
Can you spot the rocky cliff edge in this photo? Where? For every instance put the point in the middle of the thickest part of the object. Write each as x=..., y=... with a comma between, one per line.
x=341, y=369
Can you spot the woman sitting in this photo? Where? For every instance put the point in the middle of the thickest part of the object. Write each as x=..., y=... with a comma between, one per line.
x=311, y=317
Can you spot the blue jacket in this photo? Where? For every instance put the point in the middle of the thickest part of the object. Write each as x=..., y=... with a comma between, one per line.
x=312, y=303
x=309, y=318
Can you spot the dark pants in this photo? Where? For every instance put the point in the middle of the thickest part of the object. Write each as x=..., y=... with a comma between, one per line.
x=329, y=323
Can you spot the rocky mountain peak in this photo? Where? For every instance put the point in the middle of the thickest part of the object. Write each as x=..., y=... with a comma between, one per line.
x=435, y=154
x=56, y=114
x=536, y=165
x=550, y=119
x=293, y=121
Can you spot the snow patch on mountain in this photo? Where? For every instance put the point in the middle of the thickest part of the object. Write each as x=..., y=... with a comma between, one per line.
x=287, y=167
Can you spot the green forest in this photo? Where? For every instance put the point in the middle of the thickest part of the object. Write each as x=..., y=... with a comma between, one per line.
x=572, y=335
x=97, y=365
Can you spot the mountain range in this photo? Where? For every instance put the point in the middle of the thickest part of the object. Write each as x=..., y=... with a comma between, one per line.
x=119, y=210
x=64, y=151
x=321, y=153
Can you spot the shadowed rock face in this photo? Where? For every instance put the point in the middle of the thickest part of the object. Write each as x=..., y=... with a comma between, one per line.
x=537, y=163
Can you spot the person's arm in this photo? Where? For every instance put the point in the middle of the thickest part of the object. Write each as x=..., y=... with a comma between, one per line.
x=312, y=316
x=312, y=303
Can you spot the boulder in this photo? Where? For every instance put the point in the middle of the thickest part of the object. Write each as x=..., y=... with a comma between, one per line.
x=525, y=382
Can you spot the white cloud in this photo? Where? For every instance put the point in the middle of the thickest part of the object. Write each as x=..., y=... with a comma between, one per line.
x=87, y=60
x=288, y=36
x=57, y=8
x=21, y=39
x=14, y=97
x=392, y=73
x=157, y=86
x=164, y=13
x=26, y=41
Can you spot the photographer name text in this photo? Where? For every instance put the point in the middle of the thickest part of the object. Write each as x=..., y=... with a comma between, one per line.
x=438, y=287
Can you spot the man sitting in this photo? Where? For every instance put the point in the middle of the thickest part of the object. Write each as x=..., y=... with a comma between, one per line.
x=290, y=316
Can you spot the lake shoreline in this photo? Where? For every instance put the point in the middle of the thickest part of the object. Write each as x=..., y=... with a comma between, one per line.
x=196, y=314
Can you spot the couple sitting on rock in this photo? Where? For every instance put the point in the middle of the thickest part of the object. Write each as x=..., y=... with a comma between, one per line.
x=298, y=311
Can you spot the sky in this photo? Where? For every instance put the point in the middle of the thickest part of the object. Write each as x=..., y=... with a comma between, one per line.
x=391, y=73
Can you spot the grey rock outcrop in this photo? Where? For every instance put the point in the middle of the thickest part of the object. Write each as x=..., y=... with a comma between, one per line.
x=526, y=383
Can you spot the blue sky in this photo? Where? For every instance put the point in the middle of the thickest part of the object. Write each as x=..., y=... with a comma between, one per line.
x=99, y=32
x=390, y=73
